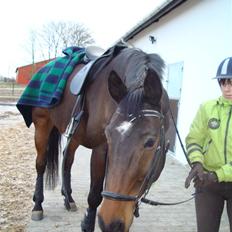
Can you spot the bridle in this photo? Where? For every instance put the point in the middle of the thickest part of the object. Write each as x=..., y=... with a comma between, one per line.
x=152, y=174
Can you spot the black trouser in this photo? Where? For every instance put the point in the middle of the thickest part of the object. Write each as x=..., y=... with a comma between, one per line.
x=210, y=204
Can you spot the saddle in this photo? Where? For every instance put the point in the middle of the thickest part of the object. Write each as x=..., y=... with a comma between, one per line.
x=92, y=53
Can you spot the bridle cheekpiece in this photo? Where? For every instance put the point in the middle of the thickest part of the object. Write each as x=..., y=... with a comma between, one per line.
x=149, y=178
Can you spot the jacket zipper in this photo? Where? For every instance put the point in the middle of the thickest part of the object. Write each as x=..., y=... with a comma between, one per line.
x=226, y=135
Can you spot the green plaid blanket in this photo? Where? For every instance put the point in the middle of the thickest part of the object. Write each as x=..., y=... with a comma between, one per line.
x=47, y=85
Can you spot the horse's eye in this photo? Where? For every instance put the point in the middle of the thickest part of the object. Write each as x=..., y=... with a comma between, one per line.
x=149, y=143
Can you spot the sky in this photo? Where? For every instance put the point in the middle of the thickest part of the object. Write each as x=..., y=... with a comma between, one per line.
x=106, y=20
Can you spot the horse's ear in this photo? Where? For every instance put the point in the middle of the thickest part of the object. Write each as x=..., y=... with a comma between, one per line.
x=152, y=87
x=116, y=87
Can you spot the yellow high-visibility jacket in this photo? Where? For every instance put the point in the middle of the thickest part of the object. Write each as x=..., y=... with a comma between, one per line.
x=210, y=138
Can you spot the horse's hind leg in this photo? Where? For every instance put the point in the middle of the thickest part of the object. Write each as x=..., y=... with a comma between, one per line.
x=98, y=162
x=42, y=132
x=66, y=189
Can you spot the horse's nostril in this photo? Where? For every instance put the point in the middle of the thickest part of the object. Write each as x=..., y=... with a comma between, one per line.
x=115, y=226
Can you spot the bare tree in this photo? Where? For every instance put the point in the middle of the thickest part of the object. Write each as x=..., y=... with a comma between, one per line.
x=50, y=37
x=56, y=36
x=30, y=45
x=75, y=34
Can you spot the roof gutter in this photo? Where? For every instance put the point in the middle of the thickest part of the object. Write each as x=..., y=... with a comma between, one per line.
x=154, y=17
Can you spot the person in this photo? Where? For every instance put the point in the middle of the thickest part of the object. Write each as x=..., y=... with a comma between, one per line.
x=209, y=149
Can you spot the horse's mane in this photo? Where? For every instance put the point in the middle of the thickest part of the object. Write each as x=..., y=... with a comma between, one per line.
x=138, y=64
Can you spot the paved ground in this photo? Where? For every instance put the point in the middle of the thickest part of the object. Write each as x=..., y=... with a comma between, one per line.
x=169, y=188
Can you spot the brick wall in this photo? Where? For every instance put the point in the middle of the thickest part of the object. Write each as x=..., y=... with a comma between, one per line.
x=24, y=73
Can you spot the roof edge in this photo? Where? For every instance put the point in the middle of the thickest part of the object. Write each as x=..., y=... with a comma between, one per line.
x=164, y=9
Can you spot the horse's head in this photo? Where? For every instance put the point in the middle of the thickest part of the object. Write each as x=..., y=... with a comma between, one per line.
x=135, y=137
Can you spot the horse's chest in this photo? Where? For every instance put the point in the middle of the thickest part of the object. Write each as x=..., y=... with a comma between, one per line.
x=94, y=138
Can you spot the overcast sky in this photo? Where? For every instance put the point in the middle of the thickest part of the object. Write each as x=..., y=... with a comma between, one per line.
x=107, y=21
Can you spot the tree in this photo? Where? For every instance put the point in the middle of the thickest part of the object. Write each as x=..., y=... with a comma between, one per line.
x=75, y=34
x=50, y=41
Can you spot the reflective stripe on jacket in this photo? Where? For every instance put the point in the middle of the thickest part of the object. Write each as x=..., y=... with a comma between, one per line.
x=210, y=138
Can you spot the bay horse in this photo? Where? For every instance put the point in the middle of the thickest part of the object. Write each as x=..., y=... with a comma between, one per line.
x=125, y=117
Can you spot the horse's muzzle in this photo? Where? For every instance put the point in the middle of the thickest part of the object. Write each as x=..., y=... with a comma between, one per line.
x=115, y=226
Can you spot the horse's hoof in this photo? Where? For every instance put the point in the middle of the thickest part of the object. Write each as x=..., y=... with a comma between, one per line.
x=73, y=206
x=70, y=206
x=37, y=215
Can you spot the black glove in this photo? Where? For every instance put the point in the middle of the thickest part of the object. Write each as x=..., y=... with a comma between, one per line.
x=208, y=179
x=196, y=172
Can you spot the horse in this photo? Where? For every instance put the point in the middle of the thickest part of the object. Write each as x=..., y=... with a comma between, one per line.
x=124, y=121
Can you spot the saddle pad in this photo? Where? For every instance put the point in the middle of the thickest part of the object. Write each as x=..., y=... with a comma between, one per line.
x=47, y=85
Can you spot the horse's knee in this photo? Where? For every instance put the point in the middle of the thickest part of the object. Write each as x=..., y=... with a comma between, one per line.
x=95, y=197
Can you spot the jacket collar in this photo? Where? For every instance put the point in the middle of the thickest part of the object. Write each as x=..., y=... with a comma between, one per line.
x=224, y=101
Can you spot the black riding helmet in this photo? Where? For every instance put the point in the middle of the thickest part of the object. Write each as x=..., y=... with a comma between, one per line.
x=224, y=70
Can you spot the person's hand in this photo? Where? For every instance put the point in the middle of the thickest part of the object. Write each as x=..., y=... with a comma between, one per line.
x=196, y=173
x=208, y=179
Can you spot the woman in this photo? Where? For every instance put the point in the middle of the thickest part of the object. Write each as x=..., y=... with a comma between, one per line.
x=209, y=147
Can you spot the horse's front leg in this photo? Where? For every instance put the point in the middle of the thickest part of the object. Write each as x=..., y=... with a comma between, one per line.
x=66, y=189
x=98, y=161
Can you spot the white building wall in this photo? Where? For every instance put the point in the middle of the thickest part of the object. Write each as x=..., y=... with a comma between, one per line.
x=199, y=34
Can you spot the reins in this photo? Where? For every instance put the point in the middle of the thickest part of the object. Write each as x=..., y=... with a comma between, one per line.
x=155, y=203
x=178, y=135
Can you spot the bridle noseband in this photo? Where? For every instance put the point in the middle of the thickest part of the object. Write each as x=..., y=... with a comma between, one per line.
x=150, y=177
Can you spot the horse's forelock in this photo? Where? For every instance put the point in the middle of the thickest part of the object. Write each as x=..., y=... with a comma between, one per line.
x=133, y=102
x=138, y=64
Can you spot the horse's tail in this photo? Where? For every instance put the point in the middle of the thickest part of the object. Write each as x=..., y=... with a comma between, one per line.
x=52, y=154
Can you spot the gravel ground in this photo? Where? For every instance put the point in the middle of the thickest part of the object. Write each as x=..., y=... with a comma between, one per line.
x=17, y=171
